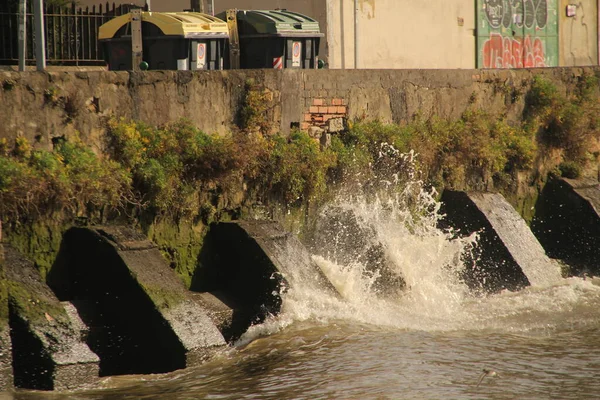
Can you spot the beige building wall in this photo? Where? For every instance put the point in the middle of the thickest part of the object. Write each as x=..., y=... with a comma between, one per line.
x=578, y=34
x=403, y=33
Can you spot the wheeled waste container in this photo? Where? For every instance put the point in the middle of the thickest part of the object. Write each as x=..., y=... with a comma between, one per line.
x=179, y=40
x=277, y=39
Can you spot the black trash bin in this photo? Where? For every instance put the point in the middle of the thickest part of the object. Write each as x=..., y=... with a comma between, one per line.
x=277, y=39
x=182, y=40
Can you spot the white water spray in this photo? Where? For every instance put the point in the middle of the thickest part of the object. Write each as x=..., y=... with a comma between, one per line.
x=403, y=223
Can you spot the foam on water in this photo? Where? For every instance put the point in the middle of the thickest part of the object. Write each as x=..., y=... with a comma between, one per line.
x=405, y=224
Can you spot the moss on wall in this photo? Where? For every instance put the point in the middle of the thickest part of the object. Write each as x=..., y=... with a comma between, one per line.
x=39, y=240
x=33, y=306
x=180, y=243
x=164, y=299
x=174, y=180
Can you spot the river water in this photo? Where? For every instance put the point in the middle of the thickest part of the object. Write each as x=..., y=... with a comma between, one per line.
x=431, y=341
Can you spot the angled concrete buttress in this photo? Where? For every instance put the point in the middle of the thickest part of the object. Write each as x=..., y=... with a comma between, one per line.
x=141, y=317
x=507, y=256
x=567, y=223
x=6, y=376
x=248, y=265
x=48, y=347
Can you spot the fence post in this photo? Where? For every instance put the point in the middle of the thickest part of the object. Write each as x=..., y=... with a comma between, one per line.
x=40, y=41
x=76, y=22
x=22, y=34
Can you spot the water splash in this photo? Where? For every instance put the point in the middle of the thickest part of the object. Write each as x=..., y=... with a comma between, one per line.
x=402, y=220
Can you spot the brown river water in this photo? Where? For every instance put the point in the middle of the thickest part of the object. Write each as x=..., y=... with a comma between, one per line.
x=432, y=341
x=543, y=344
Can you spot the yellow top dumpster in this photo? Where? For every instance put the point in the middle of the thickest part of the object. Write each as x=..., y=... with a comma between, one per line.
x=179, y=40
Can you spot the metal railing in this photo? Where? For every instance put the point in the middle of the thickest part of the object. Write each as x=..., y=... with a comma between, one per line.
x=71, y=33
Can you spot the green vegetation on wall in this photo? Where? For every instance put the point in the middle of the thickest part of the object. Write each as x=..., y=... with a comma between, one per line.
x=570, y=123
x=450, y=153
x=174, y=180
x=70, y=179
x=182, y=172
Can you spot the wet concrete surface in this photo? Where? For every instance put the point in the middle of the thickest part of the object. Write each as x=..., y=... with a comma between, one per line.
x=141, y=317
x=47, y=348
x=247, y=265
x=507, y=255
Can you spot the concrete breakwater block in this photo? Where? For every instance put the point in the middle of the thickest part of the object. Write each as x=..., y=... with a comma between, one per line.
x=248, y=265
x=6, y=375
x=48, y=347
x=507, y=255
x=567, y=223
x=141, y=317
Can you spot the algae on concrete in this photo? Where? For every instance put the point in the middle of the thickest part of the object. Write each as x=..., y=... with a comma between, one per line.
x=164, y=298
x=39, y=240
x=28, y=296
x=180, y=243
x=119, y=281
x=45, y=344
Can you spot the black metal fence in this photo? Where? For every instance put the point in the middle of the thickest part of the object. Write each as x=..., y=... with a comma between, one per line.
x=71, y=33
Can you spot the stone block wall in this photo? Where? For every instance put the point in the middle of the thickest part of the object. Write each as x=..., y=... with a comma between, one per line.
x=44, y=106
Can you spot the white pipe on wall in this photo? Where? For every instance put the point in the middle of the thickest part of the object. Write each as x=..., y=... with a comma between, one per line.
x=356, y=42
x=330, y=32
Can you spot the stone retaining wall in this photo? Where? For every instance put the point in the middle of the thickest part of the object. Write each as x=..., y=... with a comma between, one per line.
x=44, y=106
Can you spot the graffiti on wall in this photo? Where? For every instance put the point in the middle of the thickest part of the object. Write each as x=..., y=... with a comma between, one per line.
x=517, y=33
x=528, y=13
x=507, y=52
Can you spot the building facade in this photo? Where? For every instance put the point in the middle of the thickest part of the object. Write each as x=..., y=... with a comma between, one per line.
x=579, y=37
x=439, y=33
x=401, y=34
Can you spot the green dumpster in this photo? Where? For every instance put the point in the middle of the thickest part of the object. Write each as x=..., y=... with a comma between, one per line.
x=277, y=39
x=181, y=40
